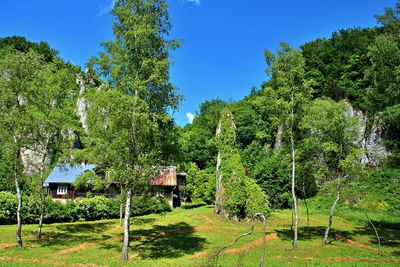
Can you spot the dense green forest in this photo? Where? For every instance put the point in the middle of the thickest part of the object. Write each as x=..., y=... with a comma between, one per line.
x=323, y=127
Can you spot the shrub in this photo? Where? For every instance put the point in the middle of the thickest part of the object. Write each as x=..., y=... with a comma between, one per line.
x=192, y=205
x=81, y=209
x=8, y=206
x=142, y=205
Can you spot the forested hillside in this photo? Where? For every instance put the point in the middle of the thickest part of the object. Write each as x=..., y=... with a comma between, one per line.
x=346, y=98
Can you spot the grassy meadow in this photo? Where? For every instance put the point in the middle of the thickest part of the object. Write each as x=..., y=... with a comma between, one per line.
x=192, y=237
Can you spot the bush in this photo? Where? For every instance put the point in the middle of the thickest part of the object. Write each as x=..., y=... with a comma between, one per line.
x=81, y=209
x=146, y=205
x=192, y=205
x=8, y=207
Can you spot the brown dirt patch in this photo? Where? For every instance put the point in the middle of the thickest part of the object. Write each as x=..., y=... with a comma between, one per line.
x=206, y=228
x=200, y=255
x=254, y=244
x=5, y=246
x=207, y=219
x=68, y=251
x=115, y=229
x=345, y=259
x=353, y=243
x=52, y=263
x=244, y=248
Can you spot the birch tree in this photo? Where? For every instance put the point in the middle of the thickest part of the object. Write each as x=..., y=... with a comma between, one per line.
x=289, y=93
x=129, y=117
x=332, y=135
x=33, y=107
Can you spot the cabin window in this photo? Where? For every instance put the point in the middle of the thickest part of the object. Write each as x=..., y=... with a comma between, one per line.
x=62, y=189
x=159, y=192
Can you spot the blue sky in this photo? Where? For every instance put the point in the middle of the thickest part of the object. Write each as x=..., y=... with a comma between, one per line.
x=224, y=41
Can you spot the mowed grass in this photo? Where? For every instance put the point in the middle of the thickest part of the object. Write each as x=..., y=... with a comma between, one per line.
x=192, y=237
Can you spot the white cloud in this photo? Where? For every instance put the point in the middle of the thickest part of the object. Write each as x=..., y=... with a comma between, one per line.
x=196, y=2
x=190, y=117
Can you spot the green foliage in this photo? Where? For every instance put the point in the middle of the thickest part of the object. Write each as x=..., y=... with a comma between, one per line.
x=384, y=72
x=200, y=183
x=194, y=204
x=146, y=204
x=256, y=201
x=81, y=209
x=236, y=186
x=197, y=140
x=8, y=205
x=272, y=175
x=18, y=43
x=330, y=141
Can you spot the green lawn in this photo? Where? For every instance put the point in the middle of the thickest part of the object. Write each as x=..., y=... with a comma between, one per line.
x=191, y=238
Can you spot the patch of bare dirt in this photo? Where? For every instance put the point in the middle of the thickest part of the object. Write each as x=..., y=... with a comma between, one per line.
x=115, y=229
x=207, y=219
x=68, y=251
x=5, y=246
x=206, y=228
x=353, y=243
x=244, y=248
x=52, y=263
x=254, y=244
x=344, y=259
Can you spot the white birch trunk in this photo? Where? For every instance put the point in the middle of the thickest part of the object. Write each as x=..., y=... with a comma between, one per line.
x=296, y=221
x=19, y=208
x=42, y=205
x=218, y=186
x=331, y=218
x=125, y=247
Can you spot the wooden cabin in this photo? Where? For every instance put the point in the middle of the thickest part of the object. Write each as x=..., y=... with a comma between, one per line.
x=60, y=183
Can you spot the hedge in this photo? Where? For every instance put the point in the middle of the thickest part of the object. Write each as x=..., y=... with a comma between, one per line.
x=81, y=209
x=192, y=205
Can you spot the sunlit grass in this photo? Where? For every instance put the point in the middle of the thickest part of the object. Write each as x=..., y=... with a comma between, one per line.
x=192, y=237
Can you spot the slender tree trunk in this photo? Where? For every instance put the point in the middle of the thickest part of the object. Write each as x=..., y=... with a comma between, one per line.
x=218, y=185
x=293, y=176
x=376, y=233
x=42, y=205
x=264, y=241
x=125, y=247
x=331, y=217
x=121, y=207
x=306, y=204
x=308, y=214
x=19, y=208
x=291, y=225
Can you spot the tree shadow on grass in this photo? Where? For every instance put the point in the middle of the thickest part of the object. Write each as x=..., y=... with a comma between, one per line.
x=97, y=227
x=141, y=221
x=389, y=237
x=311, y=233
x=76, y=233
x=170, y=241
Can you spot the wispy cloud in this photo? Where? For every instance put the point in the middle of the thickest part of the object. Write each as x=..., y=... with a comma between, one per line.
x=190, y=117
x=107, y=9
x=196, y=2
